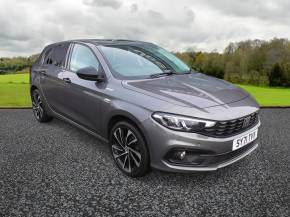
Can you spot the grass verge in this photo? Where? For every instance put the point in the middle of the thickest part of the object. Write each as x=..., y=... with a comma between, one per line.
x=269, y=96
x=14, y=91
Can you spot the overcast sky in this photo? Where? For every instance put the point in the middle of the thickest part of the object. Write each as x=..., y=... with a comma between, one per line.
x=26, y=26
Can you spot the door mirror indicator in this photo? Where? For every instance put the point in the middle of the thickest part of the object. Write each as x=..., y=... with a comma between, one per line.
x=91, y=74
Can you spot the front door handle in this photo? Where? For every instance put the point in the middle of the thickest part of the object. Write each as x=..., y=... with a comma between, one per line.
x=67, y=80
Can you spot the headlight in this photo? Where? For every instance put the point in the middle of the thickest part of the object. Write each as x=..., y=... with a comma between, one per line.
x=181, y=123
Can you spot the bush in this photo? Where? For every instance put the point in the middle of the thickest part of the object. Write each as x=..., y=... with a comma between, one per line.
x=263, y=80
x=233, y=77
x=276, y=76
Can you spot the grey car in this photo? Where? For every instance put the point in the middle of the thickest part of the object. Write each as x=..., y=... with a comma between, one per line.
x=149, y=106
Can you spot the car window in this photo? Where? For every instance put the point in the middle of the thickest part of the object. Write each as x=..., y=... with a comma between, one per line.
x=59, y=55
x=56, y=55
x=141, y=60
x=40, y=59
x=47, y=57
x=129, y=63
x=82, y=57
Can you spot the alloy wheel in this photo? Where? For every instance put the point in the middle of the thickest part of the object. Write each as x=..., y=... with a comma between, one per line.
x=125, y=149
x=37, y=106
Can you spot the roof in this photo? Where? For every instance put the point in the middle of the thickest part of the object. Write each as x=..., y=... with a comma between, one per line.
x=103, y=41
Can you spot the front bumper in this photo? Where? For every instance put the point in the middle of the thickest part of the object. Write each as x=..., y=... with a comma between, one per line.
x=216, y=166
x=218, y=150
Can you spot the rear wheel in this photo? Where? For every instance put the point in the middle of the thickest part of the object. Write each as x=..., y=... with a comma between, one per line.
x=129, y=149
x=39, y=108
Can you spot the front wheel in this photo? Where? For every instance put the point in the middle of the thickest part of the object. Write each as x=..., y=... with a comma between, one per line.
x=129, y=149
x=38, y=107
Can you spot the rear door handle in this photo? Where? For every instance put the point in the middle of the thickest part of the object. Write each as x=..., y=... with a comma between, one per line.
x=43, y=72
x=67, y=80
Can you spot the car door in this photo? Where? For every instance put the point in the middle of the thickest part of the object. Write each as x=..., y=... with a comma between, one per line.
x=82, y=97
x=51, y=82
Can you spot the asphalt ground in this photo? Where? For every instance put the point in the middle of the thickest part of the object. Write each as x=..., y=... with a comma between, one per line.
x=55, y=169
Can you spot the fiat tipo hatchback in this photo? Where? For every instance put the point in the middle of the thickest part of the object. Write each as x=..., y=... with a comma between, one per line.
x=149, y=106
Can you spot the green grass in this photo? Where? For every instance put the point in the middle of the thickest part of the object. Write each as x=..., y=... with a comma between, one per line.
x=14, y=78
x=269, y=96
x=14, y=92
x=14, y=95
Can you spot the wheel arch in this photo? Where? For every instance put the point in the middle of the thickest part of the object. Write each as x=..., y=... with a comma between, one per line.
x=32, y=88
x=123, y=116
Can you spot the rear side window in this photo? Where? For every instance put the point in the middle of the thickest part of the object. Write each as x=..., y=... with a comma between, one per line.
x=83, y=57
x=41, y=57
x=56, y=55
x=47, y=57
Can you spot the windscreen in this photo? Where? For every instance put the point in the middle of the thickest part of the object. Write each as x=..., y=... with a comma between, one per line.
x=141, y=60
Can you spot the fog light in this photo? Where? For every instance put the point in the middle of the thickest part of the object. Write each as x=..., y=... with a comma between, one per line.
x=178, y=155
x=186, y=157
x=182, y=155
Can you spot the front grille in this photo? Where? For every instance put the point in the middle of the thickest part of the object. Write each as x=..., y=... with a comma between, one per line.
x=231, y=127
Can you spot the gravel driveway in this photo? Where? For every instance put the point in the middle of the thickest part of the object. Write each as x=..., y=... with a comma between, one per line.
x=55, y=169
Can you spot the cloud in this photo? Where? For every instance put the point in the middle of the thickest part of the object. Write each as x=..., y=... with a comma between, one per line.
x=115, y=4
x=134, y=8
x=271, y=10
x=27, y=26
x=190, y=14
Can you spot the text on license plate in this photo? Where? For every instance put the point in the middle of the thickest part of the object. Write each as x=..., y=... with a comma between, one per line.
x=244, y=140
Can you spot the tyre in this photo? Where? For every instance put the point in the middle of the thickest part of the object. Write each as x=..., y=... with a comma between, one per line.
x=39, y=107
x=128, y=149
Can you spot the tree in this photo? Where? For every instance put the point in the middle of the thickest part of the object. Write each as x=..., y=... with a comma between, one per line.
x=255, y=62
x=276, y=75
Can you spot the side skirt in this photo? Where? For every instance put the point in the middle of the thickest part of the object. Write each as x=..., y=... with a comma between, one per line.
x=80, y=127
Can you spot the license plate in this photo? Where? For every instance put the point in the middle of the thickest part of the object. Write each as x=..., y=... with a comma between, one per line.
x=244, y=140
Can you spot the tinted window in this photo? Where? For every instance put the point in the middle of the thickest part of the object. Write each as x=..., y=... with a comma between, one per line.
x=83, y=57
x=41, y=57
x=47, y=56
x=141, y=60
x=56, y=55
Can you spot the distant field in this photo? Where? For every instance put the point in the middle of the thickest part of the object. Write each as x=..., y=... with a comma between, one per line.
x=14, y=92
x=14, y=78
x=269, y=96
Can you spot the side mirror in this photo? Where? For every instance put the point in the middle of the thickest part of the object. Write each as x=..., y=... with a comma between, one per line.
x=91, y=74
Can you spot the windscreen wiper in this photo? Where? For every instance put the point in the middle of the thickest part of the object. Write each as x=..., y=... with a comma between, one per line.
x=165, y=73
